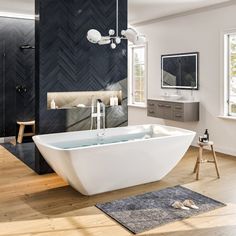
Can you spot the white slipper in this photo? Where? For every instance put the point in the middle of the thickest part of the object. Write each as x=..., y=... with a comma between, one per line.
x=189, y=203
x=179, y=205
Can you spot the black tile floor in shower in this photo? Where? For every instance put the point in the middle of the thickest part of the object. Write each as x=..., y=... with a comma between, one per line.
x=24, y=152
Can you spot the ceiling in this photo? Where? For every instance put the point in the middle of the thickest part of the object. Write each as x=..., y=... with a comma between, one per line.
x=17, y=6
x=143, y=10
x=139, y=10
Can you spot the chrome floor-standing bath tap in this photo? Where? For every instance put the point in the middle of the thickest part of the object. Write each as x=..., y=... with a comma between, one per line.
x=98, y=112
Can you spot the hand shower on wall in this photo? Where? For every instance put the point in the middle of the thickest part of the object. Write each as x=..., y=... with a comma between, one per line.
x=113, y=38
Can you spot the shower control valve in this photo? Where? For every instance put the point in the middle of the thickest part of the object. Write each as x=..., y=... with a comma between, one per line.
x=21, y=89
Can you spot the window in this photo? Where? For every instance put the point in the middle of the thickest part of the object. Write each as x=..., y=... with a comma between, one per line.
x=137, y=72
x=230, y=74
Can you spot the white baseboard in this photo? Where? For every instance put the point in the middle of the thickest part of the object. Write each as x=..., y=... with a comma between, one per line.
x=227, y=151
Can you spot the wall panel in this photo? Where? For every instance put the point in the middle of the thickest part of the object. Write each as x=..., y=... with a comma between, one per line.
x=68, y=62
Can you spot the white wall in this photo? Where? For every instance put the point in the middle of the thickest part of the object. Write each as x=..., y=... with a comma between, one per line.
x=200, y=32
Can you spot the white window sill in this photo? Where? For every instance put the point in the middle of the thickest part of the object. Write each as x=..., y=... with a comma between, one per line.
x=144, y=106
x=227, y=117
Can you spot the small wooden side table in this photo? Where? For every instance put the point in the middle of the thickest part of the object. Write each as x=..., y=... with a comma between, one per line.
x=201, y=161
x=22, y=133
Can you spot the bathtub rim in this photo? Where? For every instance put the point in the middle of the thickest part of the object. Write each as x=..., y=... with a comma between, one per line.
x=37, y=138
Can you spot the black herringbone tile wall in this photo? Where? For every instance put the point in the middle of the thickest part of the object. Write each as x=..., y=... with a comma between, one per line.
x=16, y=68
x=68, y=62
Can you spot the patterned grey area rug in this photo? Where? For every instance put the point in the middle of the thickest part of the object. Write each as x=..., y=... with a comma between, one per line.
x=147, y=211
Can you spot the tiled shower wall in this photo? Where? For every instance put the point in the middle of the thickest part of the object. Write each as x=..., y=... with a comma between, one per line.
x=16, y=69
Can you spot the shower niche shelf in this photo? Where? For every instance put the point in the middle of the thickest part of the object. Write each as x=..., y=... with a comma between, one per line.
x=76, y=100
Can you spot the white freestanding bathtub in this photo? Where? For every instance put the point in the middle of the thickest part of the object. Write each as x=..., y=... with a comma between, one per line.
x=93, y=162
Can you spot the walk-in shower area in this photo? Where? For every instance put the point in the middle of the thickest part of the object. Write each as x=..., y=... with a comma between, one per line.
x=17, y=96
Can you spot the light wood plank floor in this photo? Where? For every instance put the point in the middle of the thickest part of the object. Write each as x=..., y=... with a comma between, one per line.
x=45, y=205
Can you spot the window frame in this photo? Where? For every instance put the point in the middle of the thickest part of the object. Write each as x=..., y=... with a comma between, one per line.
x=131, y=97
x=227, y=61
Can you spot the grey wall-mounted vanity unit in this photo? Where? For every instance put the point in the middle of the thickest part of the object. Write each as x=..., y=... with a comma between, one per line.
x=183, y=111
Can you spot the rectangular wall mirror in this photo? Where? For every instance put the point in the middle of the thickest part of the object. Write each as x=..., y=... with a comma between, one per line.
x=180, y=71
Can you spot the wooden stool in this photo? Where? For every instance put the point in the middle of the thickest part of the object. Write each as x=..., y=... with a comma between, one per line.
x=22, y=133
x=200, y=160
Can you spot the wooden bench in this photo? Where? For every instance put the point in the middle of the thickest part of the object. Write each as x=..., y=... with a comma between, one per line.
x=201, y=161
x=21, y=133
